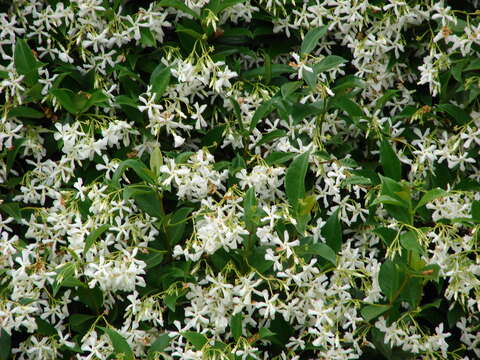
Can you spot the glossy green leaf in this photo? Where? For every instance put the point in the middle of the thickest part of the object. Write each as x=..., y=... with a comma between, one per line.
x=177, y=224
x=318, y=249
x=332, y=232
x=158, y=346
x=458, y=114
x=25, y=62
x=196, y=339
x=93, y=236
x=160, y=79
x=328, y=63
x=5, y=345
x=236, y=325
x=279, y=157
x=295, y=179
x=139, y=167
x=371, y=312
x=25, y=112
x=390, y=279
x=431, y=195
x=121, y=349
x=389, y=160
x=311, y=39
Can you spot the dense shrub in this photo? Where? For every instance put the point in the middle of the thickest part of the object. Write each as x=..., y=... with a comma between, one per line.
x=239, y=179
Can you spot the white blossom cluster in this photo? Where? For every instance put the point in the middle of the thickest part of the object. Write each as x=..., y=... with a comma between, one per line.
x=90, y=236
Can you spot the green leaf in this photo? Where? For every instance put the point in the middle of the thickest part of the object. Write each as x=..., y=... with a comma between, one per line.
x=65, y=277
x=77, y=103
x=389, y=160
x=156, y=160
x=264, y=333
x=312, y=38
x=44, y=328
x=318, y=249
x=409, y=241
x=290, y=87
x=126, y=100
x=329, y=63
x=332, y=232
x=176, y=226
x=158, y=346
x=160, y=79
x=475, y=210
x=385, y=97
x=25, y=62
x=81, y=322
x=92, y=297
x=370, y=312
x=146, y=37
x=5, y=345
x=356, y=180
x=69, y=100
x=390, y=200
x=455, y=112
x=272, y=135
x=295, y=180
x=431, y=195
x=25, y=112
x=12, y=209
x=390, y=279
x=121, y=349
x=179, y=5
x=236, y=325
x=279, y=157
x=347, y=105
x=196, y=339
x=93, y=236
x=139, y=167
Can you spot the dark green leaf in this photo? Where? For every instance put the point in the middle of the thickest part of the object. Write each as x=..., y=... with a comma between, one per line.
x=5, y=345
x=196, y=339
x=140, y=169
x=272, y=135
x=121, y=349
x=25, y=62
x=389, y=160
x=25, y=112
x=312, y=38
x=81, y=322
x=475, y=210
x=409, y=241
x=279, y=157
x=92, y=297
x=158, y=346
x=370, y=312
x=332, y=232
x=12, y=209
x=176, y=226
x=290, y=87
x=160, y=79
x=390, y=279
x=93, y=236
x=431, y=195
x=236, y=325
x=328, y=63
x=458, y=114
x=318, y=249
x=295, y=179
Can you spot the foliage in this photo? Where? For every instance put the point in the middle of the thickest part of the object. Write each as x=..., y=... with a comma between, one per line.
x=239, y=179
